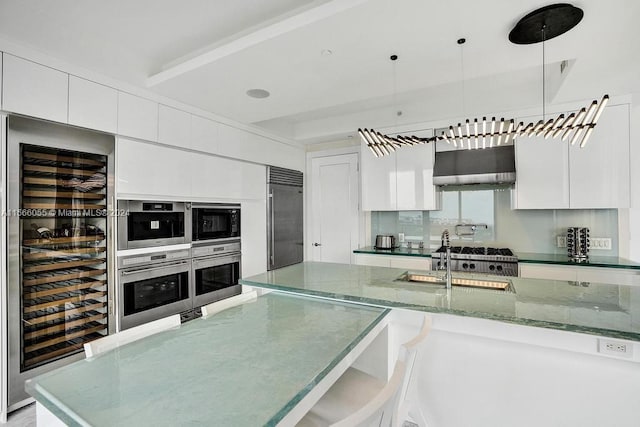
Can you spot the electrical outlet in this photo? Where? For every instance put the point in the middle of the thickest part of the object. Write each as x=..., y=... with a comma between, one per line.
x=615, y=348
x=600, y=243
x=561, y=241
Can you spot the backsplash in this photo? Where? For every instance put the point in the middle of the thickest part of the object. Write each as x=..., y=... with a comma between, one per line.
x=491, y=221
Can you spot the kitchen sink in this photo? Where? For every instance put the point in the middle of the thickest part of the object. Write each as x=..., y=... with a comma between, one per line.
x=496, y=285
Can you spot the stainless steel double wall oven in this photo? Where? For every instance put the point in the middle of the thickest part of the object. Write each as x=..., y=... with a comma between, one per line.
x=176, y=279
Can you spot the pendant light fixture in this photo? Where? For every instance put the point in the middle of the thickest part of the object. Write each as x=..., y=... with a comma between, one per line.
x=538, y=26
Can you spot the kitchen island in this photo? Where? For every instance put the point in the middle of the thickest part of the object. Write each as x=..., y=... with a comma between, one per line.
x=599, y=309
x=262, y=363
x=535, y=356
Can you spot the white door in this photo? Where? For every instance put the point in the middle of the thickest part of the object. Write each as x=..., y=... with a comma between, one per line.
x=334, y=208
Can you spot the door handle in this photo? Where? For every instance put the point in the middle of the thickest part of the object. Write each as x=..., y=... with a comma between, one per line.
x=317, y=244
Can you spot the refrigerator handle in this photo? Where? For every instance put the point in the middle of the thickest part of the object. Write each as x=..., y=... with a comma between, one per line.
x=271, y=225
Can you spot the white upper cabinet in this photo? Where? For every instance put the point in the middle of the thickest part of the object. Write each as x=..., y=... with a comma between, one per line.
x=219, y=178
x=379, y=178
x=204, y=134
x=174, y=127
x=542, y=172
x=152, y=171
x=552, y=174
x=34, y=90
x=92, y=105
x=599, y=172
x=402, y=180
x=137, y=117
x=414, y=176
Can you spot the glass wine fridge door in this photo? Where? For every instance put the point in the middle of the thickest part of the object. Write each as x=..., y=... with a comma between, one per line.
x=63, y=257
x=216, y=278
x=59, y=255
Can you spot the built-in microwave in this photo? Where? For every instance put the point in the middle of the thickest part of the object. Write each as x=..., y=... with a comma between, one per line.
x=215, y=222
x=145, y=224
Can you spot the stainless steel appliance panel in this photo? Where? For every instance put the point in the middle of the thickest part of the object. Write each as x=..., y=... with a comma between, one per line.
x=285, y=225
x=153, y=223
x=154, y=291
x=216, y=278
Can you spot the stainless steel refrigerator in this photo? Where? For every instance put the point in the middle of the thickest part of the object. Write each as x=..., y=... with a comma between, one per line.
x=60, y=254
x=284, y=217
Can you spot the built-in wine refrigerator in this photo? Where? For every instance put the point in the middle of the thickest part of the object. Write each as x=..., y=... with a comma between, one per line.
x=59, y=248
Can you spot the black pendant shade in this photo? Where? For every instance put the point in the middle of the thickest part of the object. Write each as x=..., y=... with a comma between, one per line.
x=556, y=19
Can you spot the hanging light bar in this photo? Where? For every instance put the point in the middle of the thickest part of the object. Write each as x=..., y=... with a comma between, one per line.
x=575, y=125
x=484, y=132
x=493, y=129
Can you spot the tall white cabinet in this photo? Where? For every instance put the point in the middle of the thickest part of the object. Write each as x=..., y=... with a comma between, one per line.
x=552, y=174
x=402, y=180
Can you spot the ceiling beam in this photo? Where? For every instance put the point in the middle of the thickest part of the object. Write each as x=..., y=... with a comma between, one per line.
x=245, y=40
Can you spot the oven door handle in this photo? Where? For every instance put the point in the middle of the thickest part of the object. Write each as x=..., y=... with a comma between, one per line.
x=155, y=268
x=216, y=260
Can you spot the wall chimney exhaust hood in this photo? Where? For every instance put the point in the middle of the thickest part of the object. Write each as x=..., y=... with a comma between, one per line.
x=495, y=165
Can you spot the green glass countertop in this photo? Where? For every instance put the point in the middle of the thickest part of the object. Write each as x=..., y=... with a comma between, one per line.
x=525, y=257
x=563, y=259
x=598, y=309
x=246, y=366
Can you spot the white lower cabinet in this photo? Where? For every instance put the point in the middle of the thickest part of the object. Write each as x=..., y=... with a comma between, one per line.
x=152, y=171
x=394, y=261
x=411, y=263
x=545, y=271
x=618, y=276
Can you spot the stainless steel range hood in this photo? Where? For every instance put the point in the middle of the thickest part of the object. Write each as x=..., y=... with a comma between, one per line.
x=495, y=165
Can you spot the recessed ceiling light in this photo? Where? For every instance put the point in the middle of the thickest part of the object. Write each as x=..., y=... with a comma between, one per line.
x=258, y=93
x=326, y=52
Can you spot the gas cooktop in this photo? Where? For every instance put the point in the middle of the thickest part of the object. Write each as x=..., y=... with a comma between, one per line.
x=473, y=251
x=480, y=259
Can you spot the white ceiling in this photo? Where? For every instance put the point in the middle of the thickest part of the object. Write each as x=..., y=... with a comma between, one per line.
x=317, y=97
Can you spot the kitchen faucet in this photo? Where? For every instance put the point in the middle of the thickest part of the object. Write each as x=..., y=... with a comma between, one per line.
x=447, y=260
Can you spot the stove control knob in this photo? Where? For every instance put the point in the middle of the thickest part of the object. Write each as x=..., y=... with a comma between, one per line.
x=499, y=268
x=492, y=267
x=472, y=266
x=465, y=265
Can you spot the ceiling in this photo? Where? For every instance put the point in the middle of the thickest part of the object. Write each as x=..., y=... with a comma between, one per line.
x=230, y=47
